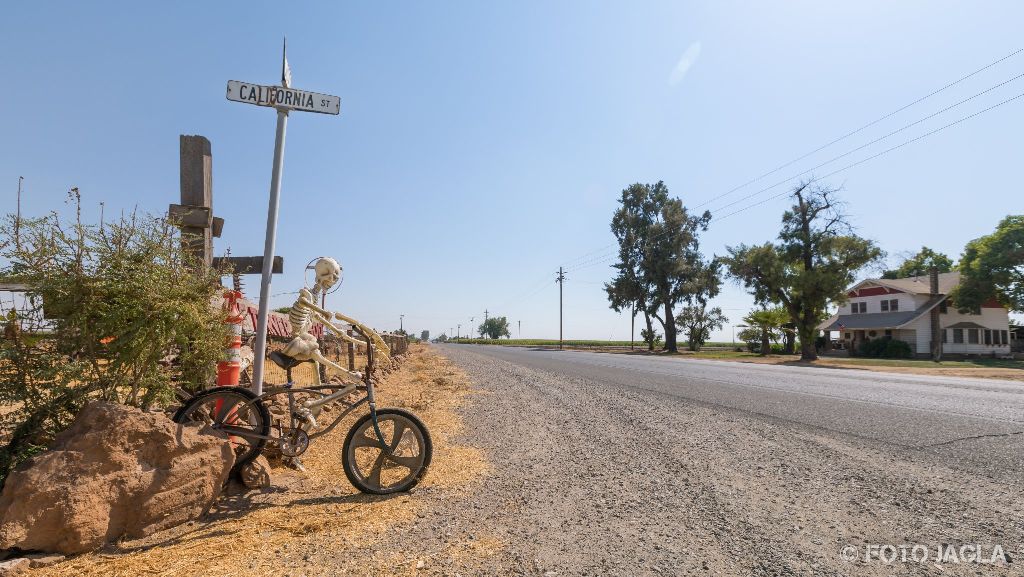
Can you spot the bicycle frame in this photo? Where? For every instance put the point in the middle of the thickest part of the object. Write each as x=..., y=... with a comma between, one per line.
x=327, y=399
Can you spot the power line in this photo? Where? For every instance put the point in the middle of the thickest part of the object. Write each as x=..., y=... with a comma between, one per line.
x=589, y=261
x=875, y=141
x=610, y=256
x=884, y=152
x=866, y=126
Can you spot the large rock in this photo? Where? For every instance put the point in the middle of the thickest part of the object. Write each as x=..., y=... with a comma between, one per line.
x=116, y=472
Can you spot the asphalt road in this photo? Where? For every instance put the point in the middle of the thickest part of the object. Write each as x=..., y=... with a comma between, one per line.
x=977, y=424
x=606, y=464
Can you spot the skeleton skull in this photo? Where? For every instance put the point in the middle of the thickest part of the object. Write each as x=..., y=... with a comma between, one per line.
x=327, y=272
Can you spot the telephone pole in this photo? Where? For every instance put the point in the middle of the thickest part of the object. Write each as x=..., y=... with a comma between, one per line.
x=520, y=328
x=401, y=318
x=485, y=315
x=632, y=329
x=561, y=281
x=17, y=218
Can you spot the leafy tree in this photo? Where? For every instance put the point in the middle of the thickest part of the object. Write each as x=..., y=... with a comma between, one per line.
x=812, y=264
x=425, y=336
x=658, y=254
x=651, y=337
x=920, y=264
x=120, y=301
x=703, y=284
x=495, y=328
x=697, y=322
x=764, y=325
x=443, y=338
x=630, y=289
x=993, y=267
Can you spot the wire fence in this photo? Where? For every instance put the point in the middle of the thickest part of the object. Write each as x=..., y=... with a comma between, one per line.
x=347, y=355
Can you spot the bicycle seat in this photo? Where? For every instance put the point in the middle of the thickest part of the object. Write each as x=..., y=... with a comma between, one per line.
x=284, y=361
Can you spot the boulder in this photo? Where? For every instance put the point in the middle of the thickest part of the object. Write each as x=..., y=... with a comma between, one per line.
x=117, y=472
x=256, y=473
x=13, y=567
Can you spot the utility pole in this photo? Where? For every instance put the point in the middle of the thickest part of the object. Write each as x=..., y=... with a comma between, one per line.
x=485, y=315
x=561, y=281
x=17, y=218
x=471, y=324
x=632, y=329
x=400, y=319
x=458, y=332
x=520, y=328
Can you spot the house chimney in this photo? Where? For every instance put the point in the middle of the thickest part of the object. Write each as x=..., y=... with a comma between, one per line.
x=933, y=280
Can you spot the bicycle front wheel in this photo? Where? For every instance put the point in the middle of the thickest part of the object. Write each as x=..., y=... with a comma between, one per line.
x=371, y=469
x=234, y=412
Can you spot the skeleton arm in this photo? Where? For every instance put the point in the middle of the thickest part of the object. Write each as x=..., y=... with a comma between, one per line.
x=378, y=343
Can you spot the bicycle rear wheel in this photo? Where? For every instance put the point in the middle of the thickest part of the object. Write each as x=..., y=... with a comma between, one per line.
x=234, y=412
x=371, y=469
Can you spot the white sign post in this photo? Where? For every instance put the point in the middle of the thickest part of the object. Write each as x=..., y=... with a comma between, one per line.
x=283, y=98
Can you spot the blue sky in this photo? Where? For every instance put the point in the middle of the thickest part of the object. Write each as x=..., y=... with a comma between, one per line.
x=481, y=144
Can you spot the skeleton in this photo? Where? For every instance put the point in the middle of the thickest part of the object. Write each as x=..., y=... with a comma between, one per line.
x=304, y=346
x=305, y=312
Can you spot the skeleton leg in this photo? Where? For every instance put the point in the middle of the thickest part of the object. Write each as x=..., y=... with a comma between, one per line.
x=320, y=358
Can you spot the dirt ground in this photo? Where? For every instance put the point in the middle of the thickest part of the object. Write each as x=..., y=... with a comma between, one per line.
x=315, y=523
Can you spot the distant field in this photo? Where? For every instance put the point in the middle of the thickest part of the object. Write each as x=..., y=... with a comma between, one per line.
x=567, y=343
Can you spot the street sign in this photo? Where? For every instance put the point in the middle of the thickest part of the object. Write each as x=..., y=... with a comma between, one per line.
x=283, y=98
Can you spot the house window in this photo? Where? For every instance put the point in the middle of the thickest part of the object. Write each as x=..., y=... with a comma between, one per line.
x=894, y=305
x=988, y=337
x=847, y=336
x=972, y=336
x=958, y=336
x=861, y=307
x=945, y=337
x=1006, y=341
x=888, y=332
x=885, y=306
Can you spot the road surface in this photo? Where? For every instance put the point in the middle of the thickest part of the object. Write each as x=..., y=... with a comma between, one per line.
x=978, y=422
x=609, y=464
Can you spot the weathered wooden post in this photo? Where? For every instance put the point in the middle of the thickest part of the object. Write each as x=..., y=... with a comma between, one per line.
x=198, y=225
x=351, y=353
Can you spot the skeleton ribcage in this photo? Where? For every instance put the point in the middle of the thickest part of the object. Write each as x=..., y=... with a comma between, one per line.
x=300, y=317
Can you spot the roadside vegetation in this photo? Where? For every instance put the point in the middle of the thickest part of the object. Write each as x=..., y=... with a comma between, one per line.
x=663, y=278
x=127, y=319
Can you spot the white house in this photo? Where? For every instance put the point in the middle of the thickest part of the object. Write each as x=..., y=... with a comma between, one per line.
x=901, y=309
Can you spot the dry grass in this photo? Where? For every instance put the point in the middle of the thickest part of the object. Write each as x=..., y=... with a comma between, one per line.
x=311, y=514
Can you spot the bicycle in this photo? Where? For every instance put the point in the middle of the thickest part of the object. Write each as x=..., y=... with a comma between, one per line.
x=378, y=446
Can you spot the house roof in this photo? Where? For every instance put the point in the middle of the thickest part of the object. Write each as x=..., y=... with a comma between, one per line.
x=915, y=284
x=890, y=320
x=965, y=325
